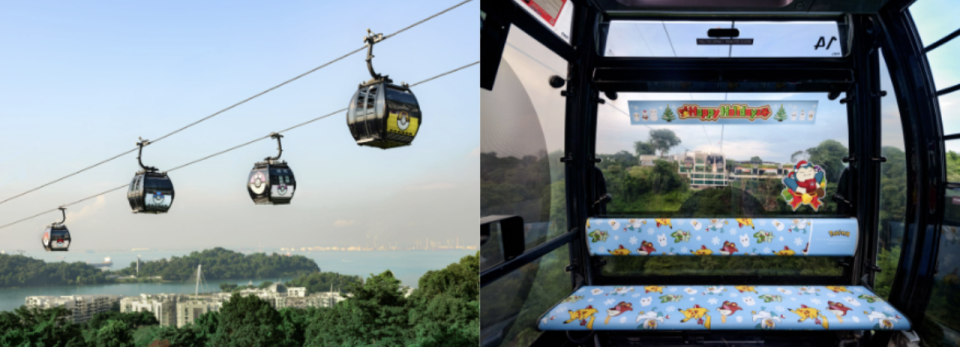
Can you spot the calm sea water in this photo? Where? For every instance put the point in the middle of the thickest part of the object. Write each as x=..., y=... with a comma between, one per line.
x=407, y=266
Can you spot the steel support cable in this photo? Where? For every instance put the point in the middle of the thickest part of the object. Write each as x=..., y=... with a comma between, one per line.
x=230, y=149
x=236, y=104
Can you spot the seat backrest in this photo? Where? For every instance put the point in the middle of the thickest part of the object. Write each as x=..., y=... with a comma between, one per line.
x=722, y=236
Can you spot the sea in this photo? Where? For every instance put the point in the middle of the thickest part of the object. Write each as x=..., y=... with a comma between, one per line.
x=406, y=265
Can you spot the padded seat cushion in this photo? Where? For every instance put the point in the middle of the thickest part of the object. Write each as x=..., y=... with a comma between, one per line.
x=722, y=236
x=723, y=307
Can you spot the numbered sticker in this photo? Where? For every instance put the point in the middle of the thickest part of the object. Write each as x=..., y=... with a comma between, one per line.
x=822, y=42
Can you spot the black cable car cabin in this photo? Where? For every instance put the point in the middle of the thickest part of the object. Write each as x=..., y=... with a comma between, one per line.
x=607, y=221
x=150, y=191
x=382, y=114
x=56, y=237
x=271, y=182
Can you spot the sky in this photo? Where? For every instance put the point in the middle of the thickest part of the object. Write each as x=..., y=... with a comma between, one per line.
x=932, y=18
x=80, y=82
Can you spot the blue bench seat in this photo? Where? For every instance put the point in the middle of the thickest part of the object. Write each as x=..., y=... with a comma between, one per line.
x=726, y=307
x=722, y=237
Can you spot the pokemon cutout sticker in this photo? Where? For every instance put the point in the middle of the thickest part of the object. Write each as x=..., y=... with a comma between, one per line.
x=805, y=185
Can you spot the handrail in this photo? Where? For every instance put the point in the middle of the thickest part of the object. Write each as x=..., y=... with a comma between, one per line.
x=494, y=273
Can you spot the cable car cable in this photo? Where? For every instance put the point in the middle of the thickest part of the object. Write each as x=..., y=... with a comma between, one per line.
x=126, y=185
x=236, y=104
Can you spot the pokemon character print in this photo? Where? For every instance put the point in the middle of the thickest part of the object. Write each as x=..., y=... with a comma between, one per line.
x=724, y=308
x=805, y=185
x=722, y=237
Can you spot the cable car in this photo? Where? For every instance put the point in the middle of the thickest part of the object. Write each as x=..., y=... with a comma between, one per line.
x=814, y=198
x=382, y=114
x=150, y=191
x=56, y=237
x=271, y=181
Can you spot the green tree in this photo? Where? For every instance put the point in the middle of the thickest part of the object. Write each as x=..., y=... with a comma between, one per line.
x=319, y=282
x=829, y=155
x=227, y=287
x=39, y=327
x=265, y=284
x=219, y=263
x=643, y=148
x=132, y=319
x=376, y=315
x=294, y=324
x=23, y=271
x=781, y=114
x=668, y=114
x=248, y=321
x=445, y=309
x=755, y=160
x=797, y=156
x=115, y=333
x=663, y=140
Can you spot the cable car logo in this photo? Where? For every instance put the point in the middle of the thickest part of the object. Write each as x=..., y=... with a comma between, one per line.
x=158, y=197
x=403, y=121
x=258, y=183
x=282, y=189
x=46, y=239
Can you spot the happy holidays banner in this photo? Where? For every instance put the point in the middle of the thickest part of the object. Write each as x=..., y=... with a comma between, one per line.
x=722, y=112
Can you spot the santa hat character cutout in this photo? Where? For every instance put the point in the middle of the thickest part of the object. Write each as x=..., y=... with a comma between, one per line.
x=805, y=185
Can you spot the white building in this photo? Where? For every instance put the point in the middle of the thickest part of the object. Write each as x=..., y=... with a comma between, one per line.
x=163, y=306
x=296, y=292
x=190, y=308
x=82, y=307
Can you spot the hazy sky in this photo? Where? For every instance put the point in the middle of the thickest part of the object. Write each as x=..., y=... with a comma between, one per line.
x=79, y=82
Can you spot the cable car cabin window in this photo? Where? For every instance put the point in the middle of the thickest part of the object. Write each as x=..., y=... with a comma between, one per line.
x=934, y=22
x=644, y=38
x=893, y=187
x=372, y=122
x=522, y=139
x=402, y=96
x=355, y=116
x=719, y=157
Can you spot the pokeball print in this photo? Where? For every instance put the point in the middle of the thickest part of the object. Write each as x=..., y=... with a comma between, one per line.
x=258, y=183
x=403, y=121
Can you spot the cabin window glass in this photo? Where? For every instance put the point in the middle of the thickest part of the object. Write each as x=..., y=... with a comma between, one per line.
x=522, y=138
x=935, y=20
x=893, y=187
x=401, y=96
x=372, y=121
x=688, y=168
x=360, y=102
x=946, y=70
x=512, y=304
x=689, y=39
x=698, y=169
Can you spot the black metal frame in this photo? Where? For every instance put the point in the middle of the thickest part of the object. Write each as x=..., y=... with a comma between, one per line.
x=857, y=74
x=926, y=172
